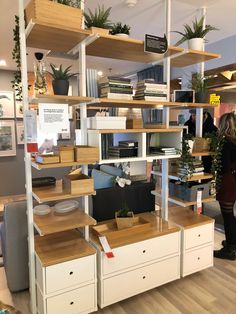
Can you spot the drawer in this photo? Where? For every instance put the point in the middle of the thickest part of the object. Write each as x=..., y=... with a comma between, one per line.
x=69, y=274
x=127, y=284
x=73, y=302
x=197, y=260
x=141, y=252
x=198, y=236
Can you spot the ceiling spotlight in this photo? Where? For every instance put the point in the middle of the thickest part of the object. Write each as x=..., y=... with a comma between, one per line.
x=131, y=3
x=3, y=63
x=100, y=73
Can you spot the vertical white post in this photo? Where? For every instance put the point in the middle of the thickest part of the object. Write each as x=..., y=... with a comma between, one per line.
x=164, y=188
x=28, y=174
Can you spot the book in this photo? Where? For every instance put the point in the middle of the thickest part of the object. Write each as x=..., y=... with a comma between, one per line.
x=150, y=98
x=117, y=151
x=151, y=85
x=128, y=143
x=117, y=96
x=116, y=91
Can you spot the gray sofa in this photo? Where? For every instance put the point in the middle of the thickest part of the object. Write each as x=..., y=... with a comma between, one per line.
x=13, y=234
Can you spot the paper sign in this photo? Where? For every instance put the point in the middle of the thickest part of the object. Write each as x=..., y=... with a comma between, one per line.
x=199, y=201
x=214, y=99
x=31, y=128
x=155, y=44
x=106, y=247
x=54, y=118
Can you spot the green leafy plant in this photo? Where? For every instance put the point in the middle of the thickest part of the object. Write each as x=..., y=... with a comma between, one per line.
x=124, y=211
x=71, y=3
x=197, y=31
x=59, y=73
x=99, y=18
x=118, y=28
x=186, y=159
x=198, y=83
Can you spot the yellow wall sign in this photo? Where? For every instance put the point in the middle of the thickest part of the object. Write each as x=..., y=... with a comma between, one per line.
x=214, y=99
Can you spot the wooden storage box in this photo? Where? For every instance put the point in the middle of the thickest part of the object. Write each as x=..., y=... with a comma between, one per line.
x=134, y=124
x=66, y=153
x=86, y=154
x=53, y=13
x=201, y=144
x=78, y=184
x=47, y=159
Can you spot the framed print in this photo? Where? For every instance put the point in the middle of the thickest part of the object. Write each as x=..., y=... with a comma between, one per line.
x=7, y=138
x=6, y=105
x=20, y=133
x=19, y=109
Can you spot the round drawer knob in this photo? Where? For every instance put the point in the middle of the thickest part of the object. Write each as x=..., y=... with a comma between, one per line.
x=71, y=273
x=71, y=303
x=199, y=258
x=144, y=251
x=144, y=277
x=199, y=235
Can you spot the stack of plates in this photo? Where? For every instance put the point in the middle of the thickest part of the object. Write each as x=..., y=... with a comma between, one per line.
x=66, y=206
x=42, y=210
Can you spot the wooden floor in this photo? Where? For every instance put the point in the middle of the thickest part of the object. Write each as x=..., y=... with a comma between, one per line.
x=209, y=291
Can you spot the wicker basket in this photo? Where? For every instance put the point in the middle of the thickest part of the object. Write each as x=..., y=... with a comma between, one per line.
x=201, y=144
x=125, y=222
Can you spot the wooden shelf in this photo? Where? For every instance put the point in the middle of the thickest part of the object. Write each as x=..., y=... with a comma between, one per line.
x=157, y=157
x=183, y=106
x=181, y=202
x=57, y=165
x=54, y=222
x=162, y=130
x=55, y=193
x=117, y=160
x=202, y=154
x=57, y=99
x=62, y=247
x=193, y=178
x=55, y=38
x=187, y=218
x=159, y=227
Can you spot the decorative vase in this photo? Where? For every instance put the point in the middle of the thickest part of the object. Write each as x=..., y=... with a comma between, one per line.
x=125, y=222
x=196, y=44
x=60, y=87
x=40, y=83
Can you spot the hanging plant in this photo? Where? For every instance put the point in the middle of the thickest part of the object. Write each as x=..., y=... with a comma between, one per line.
x=186, y=159
x=16, y=82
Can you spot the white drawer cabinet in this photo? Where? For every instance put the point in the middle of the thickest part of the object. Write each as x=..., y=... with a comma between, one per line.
x=127, y=284
x=139, y=253
x=198, y=236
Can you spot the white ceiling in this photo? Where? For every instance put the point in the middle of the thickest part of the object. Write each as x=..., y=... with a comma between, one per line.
x=146, y=17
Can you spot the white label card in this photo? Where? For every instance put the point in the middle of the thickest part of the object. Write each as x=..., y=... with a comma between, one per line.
x=106, y=247
x=199, y=201
x=54, y=118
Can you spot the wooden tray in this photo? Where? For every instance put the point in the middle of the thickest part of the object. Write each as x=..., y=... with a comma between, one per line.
x=110, y=230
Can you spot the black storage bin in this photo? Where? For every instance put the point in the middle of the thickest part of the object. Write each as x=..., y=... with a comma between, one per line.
x=188, y=191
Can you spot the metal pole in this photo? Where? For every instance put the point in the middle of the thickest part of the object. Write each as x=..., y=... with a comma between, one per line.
x=28, y=174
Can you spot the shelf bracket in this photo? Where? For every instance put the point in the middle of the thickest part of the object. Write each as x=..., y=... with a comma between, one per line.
x=29, y=28
x=176, y=55
x=87, y=41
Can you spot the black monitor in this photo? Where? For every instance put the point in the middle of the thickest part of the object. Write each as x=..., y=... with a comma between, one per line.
x=184, y=95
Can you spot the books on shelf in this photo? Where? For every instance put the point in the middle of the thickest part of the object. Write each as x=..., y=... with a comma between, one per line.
x=128, y=143
x=163, y=151
x=184, y=171
x=150, y=90
x=122, y=152
x=115, y=88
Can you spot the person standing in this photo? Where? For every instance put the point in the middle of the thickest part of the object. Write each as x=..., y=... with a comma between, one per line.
x=226, y=194
x=191, y=122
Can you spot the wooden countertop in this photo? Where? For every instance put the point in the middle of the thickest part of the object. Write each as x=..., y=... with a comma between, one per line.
x=62, y=247
x=156, y=227
x=9, y=199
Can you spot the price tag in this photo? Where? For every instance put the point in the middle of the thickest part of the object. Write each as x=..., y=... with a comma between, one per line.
x=106, y=247
x=155, y=44
x=199, y=201
x=31, y=127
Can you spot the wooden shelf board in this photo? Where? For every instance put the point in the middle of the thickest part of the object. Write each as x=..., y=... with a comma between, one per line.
x=202, y=154
x=193, y=105
x=55, y=193
x=115, y=160
x=193, y=178
x=61, y=247
x=161, y=130
x=57, y=165
x=187, y=218
x=54, y=222
x=193, y=57
x=70, y=100
x=158, y=228
x=154, y=157
x=55, y=38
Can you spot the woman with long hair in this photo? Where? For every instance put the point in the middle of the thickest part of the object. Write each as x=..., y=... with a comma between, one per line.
x=226, y=194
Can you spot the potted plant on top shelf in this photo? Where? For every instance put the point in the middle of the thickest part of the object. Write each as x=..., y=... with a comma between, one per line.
x=120, y=30
x=60, y=81
x=195, y=35
x=98, y=21
x=61, y=13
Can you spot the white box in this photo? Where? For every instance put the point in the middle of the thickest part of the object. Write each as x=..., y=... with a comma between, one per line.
x=113, y=123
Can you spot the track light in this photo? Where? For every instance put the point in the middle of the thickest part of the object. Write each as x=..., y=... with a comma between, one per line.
x=131, y=3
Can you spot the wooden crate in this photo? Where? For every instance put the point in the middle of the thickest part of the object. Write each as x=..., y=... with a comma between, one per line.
x=78, y=184
x=86, y=154
x=47, y=159
x=66, y=153
x=56, y=14
x=134, y=124
x=201, y=144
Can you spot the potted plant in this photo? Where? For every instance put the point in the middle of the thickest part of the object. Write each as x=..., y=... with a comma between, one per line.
x=120, y=30
x=186, y=159
x=124, y=217
x=98, y=21
x=199, y=84
x=60, y=81
x=62, y=13
x=195, y=35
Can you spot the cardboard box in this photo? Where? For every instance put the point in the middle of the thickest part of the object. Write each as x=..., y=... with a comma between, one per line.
x=134, y=124
x=113, y=123
x=86, y=154
x=66, y=153
x=78, y=183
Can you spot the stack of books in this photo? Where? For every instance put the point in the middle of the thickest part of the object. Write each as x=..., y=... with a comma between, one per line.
x=125, y=149
x=163, y=151
x=150, y=90
x=115, y=88
x=183, y=170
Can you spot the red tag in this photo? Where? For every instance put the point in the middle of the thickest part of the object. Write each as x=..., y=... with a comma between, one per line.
x=32, y=147
x=109, y=254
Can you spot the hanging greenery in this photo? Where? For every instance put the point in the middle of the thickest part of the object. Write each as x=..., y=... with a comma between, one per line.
x=186, y=159
x=16, y=82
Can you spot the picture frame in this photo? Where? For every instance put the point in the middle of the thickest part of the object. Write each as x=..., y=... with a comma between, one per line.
x=20, y=132
x=7, y=138
x=7, y=105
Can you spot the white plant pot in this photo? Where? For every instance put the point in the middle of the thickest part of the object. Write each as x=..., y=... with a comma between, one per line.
x=190, y=143
x=196, y=44
x=123, y=35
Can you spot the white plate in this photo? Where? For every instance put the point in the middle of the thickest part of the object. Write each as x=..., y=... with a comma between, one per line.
x=42, y=210
x=66, y=206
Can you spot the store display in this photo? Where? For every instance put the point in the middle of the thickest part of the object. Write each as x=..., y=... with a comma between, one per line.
x=41, y=210
x=43, y=181
x=66, y=206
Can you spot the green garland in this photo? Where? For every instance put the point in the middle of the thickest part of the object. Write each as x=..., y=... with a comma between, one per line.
x=186, y=159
